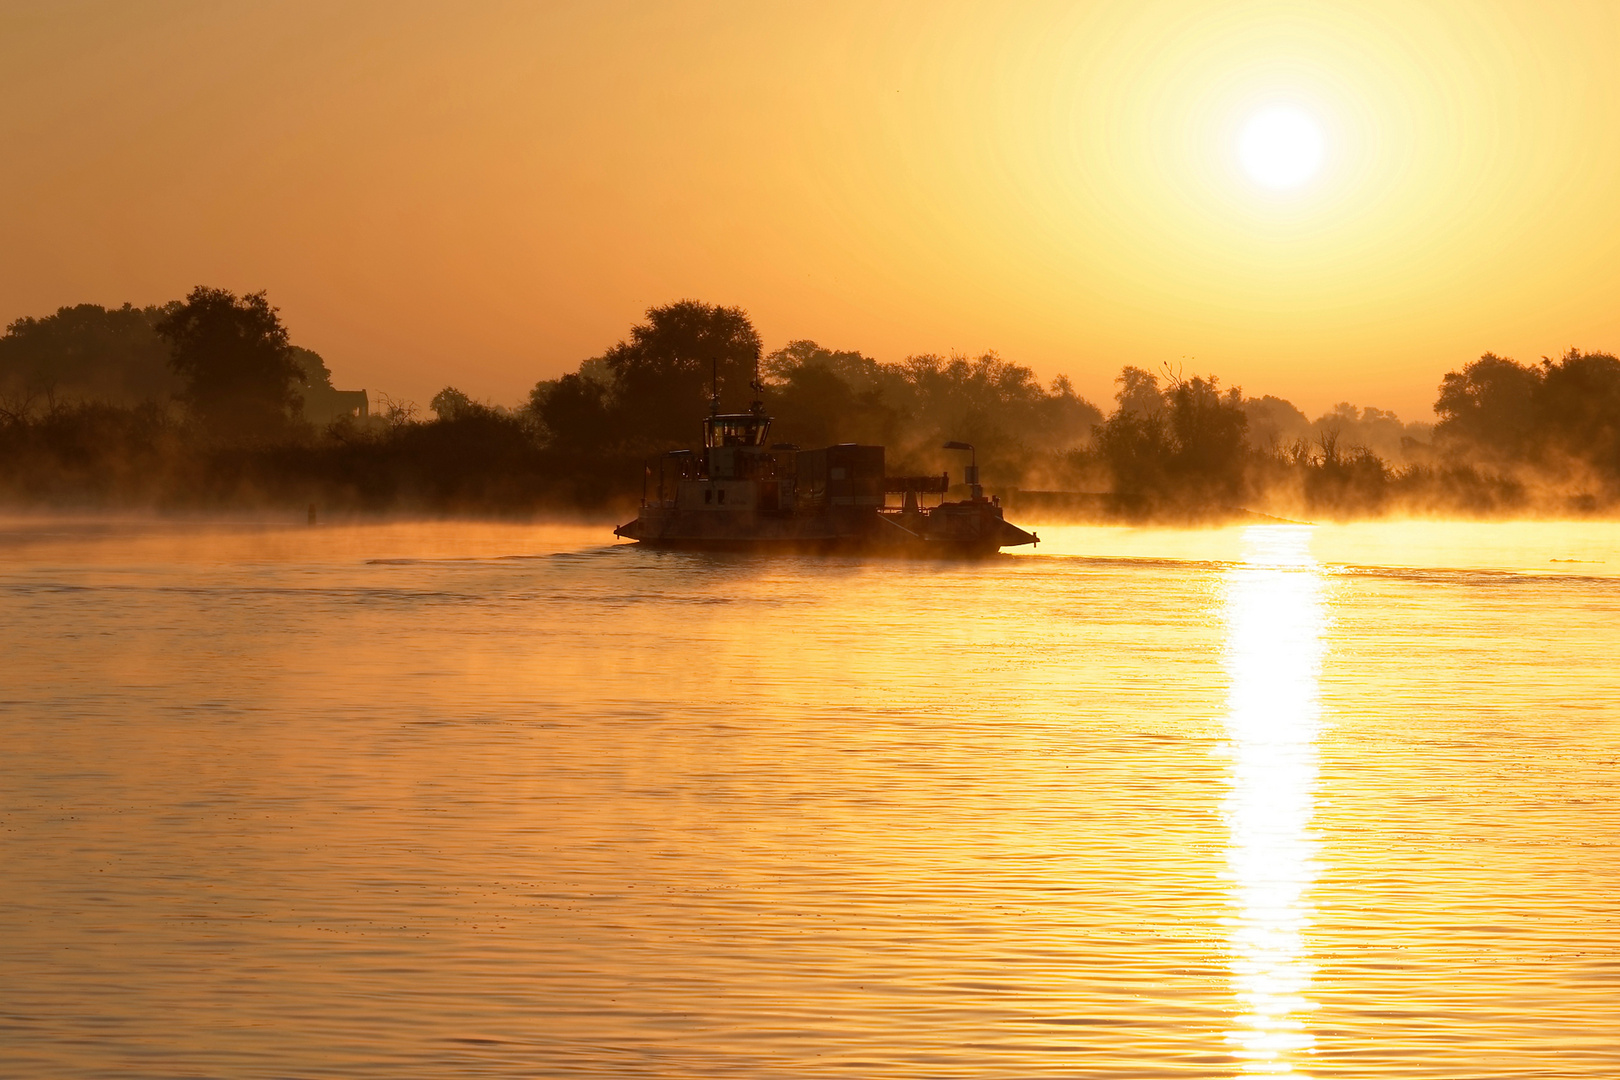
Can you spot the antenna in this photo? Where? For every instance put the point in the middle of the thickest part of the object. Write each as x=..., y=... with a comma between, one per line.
x=758, y=387
x=714, y=386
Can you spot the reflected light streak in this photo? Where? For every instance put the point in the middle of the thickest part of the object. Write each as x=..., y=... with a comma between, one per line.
x=1274, y=646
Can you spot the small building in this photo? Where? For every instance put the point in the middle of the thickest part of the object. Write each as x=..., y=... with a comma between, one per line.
x=322, y=404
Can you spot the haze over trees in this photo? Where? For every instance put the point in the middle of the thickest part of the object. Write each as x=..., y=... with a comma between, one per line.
x=203, y=401
x=646, y=394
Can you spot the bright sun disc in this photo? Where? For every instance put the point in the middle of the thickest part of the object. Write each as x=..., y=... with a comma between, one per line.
x=1281, y=146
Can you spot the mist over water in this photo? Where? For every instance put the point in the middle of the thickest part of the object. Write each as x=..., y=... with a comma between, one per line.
x=448, y=799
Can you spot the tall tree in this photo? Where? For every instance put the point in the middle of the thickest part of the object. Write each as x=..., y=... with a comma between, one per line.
x=239, y=370
x=662, y=374
x=1490, y=407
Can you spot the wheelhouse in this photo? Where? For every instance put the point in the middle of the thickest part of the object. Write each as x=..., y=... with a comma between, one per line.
x=735, y=429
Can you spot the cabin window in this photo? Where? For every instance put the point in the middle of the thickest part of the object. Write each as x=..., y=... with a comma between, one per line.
x=735, y=429
x=708, y=494
x=722, y=497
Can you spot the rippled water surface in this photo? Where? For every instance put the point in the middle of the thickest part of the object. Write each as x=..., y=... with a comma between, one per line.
x=473, y=800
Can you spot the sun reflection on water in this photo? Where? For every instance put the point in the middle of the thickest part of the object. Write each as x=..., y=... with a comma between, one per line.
x=1274, y=644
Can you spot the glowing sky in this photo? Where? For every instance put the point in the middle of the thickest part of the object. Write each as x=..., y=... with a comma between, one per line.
x=485, y=194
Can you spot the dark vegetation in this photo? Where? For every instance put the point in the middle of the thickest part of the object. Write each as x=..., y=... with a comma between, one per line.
x=205, y=402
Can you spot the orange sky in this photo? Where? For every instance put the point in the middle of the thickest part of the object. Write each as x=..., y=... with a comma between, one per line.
x=485, y=194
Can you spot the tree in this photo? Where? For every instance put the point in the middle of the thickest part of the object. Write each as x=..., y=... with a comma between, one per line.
x=452, y=404
x=233, y=354
x=396, y=413
x=312, y=369
x=1273, y=422
x=1136, y=448
x=662, y=374
x=1188, y=441
x=1578, y=408
x=88, y=353
x=1138, y=394
x=820, y=396
x=1489, y=406
x=574, y=412
x=1546, y=415
x=1209, y=430
x=861, y=373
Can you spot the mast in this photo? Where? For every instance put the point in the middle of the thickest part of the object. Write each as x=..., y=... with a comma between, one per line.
x=758, y=407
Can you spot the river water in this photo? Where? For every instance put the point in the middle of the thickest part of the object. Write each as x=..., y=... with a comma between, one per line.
x=452, y=799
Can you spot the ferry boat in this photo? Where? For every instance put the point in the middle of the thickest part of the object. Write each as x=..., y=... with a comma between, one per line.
x=743, y=494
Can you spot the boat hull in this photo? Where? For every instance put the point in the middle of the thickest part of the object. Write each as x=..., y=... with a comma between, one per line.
x=961, y=530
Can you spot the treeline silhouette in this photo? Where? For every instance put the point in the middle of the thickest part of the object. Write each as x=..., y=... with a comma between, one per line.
x=205, y=402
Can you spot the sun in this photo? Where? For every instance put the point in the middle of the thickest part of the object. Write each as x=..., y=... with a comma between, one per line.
x=1281, y=147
